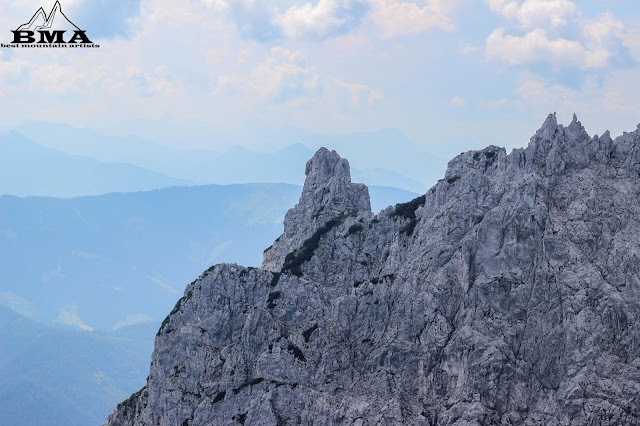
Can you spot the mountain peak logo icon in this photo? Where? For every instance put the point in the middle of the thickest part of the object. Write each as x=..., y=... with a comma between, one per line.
x=55, y=21
x=50, y=30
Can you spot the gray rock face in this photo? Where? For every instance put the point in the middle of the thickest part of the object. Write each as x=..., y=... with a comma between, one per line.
x=327, y=194
x=508, y=294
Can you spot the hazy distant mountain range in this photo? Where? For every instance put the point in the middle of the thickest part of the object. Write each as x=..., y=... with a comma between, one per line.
x=385, y=157
x=58, y=376
x=27, y=168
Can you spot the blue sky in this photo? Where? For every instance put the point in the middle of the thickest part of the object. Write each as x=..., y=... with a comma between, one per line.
x=439, y=71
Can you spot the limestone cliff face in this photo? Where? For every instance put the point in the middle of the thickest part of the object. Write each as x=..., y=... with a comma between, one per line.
x=327, y=194
x=508, y=294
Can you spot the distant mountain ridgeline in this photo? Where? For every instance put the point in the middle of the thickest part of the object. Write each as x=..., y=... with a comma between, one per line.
x=27, y=169
x=384, y=157
x=59, y=376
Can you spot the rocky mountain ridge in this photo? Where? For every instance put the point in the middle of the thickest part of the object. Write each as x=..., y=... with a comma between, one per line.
x=508, y=294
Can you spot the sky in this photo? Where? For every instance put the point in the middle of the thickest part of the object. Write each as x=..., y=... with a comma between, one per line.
x=438, y=71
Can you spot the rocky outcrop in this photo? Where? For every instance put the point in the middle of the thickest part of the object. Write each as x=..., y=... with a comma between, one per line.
x=327, y=194
x=508, y=294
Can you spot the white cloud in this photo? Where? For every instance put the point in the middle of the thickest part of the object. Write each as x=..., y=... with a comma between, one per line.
x=458, y=102
x=329, y=64
x=535, y=46
x=55, y=78
x=553, y=32
x=225, y=78
x=532, y=90
x=157, y=81
x=281, y=77
x=602, y=31
x=284, y=78
x=401, y=18
x=11, y=73
x=328, y=18
x=216, y=4
x=14, y=67
x=357, y=94
x=325, y=18
x=544, y=14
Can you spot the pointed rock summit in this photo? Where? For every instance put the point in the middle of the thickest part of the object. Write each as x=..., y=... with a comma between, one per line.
x=555, y=147
x=324, y=166
x=328, y=196
x=328, y=185
x=548, y=129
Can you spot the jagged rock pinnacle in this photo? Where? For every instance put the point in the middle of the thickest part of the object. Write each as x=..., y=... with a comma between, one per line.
x=324, y=166
x=327, y=193
x=548, y=129
x=555, y=147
